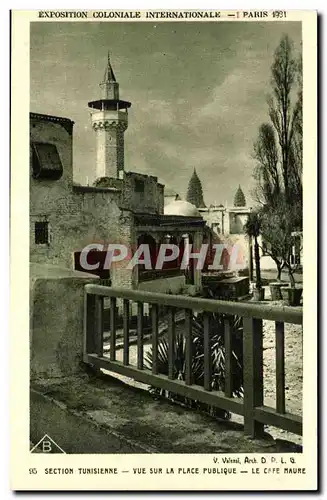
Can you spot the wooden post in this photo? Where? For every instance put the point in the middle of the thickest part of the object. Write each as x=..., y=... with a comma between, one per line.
x=99, y=326
x=113, y=325
x=280, y=368
x=252, y=374
x=140, y=335
x=171, y=343
x=228, y=357
x=89, y=346
x=126, y=332
x=188, y=347
x=93, y=328
x=154, y=339
x=207, y=352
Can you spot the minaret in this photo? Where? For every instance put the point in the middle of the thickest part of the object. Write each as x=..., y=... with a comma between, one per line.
x=109, y=120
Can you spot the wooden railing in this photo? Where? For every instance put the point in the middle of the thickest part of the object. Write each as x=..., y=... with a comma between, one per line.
x=251, y=406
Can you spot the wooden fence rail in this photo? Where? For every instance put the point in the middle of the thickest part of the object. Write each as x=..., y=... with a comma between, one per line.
x=256, y=415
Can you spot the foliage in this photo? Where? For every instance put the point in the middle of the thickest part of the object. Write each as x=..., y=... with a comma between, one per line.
x=285, y=116
x=217, y=357
x=194, y=191
x=239, y=199
x=278, y=153
x=277, y=225
x=278, y=149
x=267, y=174
x=252, y=226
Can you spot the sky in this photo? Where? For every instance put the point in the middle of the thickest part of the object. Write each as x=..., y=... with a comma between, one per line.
x=198, y=92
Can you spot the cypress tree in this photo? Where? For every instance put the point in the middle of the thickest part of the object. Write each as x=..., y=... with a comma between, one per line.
x=194, y=191
x=239, y=199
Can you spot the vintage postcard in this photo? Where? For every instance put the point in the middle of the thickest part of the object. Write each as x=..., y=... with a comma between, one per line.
x=163, y=250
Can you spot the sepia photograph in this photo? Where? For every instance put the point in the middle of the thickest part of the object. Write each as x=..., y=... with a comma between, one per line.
x=166, y=243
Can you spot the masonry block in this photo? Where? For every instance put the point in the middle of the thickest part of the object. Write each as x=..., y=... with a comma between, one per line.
x=56, y=320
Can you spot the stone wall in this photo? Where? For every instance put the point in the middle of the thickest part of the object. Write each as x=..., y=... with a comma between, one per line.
x=231, y=222
x=149, y=200
x=109, y=149
x=80, y=220
x=76, y=216
x=174, y=285
x=56, y=320
x=106, y=152
x=214, y=217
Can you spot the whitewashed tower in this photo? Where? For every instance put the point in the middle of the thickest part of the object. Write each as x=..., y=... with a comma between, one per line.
x=109, y=121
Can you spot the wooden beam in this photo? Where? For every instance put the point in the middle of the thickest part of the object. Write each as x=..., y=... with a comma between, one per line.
x=287, y=421
x=228, y=357
x=140, y=335
x=126, y=332
x=214, y=398
x=89, y=342
x=280, y=367
x=171, y=343
x=155, y=323
x=188, y=347
x=99, y=326
x=113, y=326
x=207, y=352
x=285, y=314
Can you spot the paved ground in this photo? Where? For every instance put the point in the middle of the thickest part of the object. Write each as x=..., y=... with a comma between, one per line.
x=143, y=422
x=293, y=372
x=272, y=274
x=293, y=367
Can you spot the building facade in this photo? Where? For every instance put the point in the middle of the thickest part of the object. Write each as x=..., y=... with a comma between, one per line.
x=126, y=209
